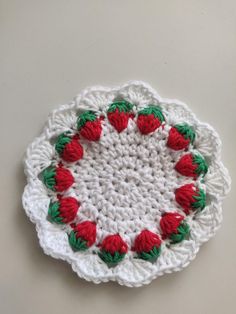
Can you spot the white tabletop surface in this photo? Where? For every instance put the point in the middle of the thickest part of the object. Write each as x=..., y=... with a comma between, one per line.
x=50, y=50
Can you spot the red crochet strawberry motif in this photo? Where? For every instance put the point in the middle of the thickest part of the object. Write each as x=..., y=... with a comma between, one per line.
x=147, y=245
x=119, y=114
x=82, y=236
x=190, y=197
x=191, y=165
x=113, y=249
x=63, y=211
x=174, y=227
x=180, y=136
x=149, y=119
x=57, y=178
x=89, y=125
x=69, y=147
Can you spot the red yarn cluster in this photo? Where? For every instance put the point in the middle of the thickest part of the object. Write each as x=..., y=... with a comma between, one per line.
x=147, y=123
x=86, y=231
x=119, y=119
x=184, y=196
x=176, y=140
x=146, y=241
x=63, y=178
x=92, y=130
x=68, y=208
x=169, y=223
x=72, y=151
x=186, y=166
x=114, y=243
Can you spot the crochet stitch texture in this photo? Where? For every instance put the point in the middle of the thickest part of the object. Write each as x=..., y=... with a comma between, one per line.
x=124, y=185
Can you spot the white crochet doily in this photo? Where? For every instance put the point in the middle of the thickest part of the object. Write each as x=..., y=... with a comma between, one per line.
x=124, y=183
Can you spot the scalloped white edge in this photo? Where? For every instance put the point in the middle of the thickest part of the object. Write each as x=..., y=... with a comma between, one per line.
x=130, y=272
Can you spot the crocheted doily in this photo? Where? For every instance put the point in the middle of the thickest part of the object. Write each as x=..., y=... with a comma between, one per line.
x=124, y=185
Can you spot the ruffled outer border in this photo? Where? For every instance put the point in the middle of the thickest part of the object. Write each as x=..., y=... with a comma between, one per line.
x=131, y=272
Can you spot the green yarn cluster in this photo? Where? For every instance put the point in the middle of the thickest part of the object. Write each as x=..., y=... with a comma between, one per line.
x=121, y=105
x=111, y=259
x=85, y=117
x=48, y=176
x=77, y=244
x=53, y=213
x=150, y=256
x=187, y=131
x=202, y=165
x=183, y=233
x=200, y=202
x=155, y=110
x=62, y=140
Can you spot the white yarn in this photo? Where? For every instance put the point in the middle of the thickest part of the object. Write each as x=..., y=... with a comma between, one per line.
x=124, y=182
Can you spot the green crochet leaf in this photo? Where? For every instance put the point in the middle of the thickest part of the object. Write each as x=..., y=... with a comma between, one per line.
x=182, y=234
x=54, y=213
x=187, y=131
x=155, y=110
x=48, y=176
x=200, y=202
x=150, y=256
x=77, y=244
x=111, y=259
x=85, y=117
x=62, y=140
x=121, y=105
x=202, y=166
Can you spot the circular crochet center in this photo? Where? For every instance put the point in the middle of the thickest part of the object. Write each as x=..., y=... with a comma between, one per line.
x=124, y=185
x=128, y=179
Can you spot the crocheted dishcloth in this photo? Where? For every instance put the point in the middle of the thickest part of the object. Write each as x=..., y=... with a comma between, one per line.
x=124, y=185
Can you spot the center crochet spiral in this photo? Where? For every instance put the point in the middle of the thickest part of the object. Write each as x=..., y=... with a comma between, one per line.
x=128, y=180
